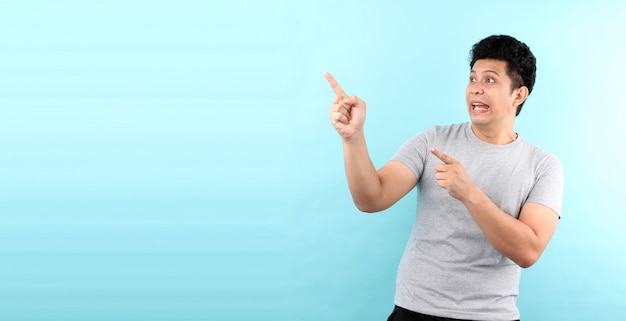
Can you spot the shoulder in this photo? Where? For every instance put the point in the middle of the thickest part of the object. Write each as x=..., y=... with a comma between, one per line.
x=542, y=159
x=538, y=152
x=445, y=131
x=440, y=135
x=450, y=128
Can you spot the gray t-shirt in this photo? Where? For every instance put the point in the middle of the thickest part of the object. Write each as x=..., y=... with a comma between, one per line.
x=449, y=268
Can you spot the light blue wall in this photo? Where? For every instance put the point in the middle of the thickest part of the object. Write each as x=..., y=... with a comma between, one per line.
x=173, y=160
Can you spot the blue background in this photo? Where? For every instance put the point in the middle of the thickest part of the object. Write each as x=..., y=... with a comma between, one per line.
x=173, y=160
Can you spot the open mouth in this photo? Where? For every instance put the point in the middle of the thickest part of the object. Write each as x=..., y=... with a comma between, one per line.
x=479, y=107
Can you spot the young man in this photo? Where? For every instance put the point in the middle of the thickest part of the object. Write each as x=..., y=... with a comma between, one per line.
x=488, y=200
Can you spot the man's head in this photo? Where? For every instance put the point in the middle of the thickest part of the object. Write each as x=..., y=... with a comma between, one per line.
x=520, y=62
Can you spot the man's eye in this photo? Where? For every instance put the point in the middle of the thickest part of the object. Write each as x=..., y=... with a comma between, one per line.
x=472, y=79
x=489, y=80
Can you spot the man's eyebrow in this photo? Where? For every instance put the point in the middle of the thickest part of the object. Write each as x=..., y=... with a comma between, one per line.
x=485, y=71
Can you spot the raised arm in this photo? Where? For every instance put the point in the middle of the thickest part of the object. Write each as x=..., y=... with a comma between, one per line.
x=371, y=190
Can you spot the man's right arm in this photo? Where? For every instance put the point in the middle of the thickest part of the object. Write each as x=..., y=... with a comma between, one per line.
x=371, y=190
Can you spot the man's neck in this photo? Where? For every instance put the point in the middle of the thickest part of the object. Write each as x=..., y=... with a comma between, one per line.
x=498, y=136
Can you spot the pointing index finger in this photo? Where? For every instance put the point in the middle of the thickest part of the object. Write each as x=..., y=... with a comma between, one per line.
x=442, y=156
x=334, y=85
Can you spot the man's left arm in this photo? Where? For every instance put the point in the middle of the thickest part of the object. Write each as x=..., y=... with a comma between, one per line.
x=522, y=239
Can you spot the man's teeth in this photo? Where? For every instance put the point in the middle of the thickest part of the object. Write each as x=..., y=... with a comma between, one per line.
x=480, y=107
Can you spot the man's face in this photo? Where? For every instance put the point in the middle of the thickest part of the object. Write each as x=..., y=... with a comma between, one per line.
x=490, y=100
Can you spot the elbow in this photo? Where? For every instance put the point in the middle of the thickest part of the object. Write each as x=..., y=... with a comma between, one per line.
x=368, y=207
x=524, y=264
x=527, y=261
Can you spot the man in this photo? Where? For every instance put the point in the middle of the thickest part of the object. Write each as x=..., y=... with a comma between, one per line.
x=488, y=200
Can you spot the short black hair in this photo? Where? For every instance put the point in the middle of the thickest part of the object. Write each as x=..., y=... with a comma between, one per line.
x=521, y=65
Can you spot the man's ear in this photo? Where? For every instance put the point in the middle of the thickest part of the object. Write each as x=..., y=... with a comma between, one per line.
x=521, y=94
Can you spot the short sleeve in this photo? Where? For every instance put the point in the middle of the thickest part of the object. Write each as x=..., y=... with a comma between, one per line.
x=414, y=152
x=549, y=185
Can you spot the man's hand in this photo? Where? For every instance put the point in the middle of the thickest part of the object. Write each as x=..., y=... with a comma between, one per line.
x=452, y=176
x=347, y=113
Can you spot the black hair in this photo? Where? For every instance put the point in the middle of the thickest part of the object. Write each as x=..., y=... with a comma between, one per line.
x=521, y=65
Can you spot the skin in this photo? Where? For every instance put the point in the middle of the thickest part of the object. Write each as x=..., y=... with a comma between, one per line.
x=491, y=104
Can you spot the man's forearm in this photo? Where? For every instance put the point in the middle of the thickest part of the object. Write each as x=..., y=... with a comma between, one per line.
x=361, y=174
x=511, y=237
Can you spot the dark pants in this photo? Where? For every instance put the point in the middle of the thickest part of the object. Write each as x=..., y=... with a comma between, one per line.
x=402, y=314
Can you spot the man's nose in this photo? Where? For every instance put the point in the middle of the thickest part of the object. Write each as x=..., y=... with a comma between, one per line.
x=476, y=88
